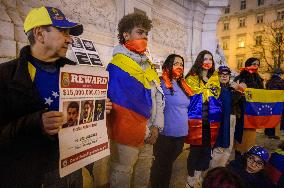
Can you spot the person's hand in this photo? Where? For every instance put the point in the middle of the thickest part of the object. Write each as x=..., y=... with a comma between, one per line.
x=154, y=132
x=243, y=85
x=52, y=121
x=238, y=86
x=108, y=106
x=234, y=85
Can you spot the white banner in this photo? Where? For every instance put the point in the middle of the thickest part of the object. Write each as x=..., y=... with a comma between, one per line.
x=83, y=138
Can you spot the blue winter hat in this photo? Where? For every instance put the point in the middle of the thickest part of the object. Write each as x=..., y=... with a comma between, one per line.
x=223, y=69
x=260, y=152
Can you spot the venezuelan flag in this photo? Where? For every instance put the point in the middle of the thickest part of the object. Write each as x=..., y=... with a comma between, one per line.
x=263, y=108
x=209, y=92
x=130, y=92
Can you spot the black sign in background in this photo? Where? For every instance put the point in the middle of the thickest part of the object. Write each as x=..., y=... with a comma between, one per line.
x=95, y=59
x=76, y=42
x=89, y=45
x=82, y=58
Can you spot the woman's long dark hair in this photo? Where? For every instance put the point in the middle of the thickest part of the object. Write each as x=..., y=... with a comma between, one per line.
x=169, y=62
x=168, y=65
x=196, y=69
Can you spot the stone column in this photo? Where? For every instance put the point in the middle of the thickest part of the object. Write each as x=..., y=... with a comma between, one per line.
x=211, y=17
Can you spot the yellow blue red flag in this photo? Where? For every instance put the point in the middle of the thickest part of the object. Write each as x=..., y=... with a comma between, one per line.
x=263, y=108
x=130, y=92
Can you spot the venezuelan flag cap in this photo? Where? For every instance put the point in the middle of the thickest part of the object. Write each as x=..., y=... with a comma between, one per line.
x=50, y=16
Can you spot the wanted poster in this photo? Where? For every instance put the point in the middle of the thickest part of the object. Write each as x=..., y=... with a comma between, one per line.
x=85, y=52
x=83, y=138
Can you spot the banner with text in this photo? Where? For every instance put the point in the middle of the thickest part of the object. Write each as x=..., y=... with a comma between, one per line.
x=83, y=138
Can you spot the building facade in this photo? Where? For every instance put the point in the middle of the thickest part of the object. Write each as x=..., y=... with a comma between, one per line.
x=179, y=26
x=241, y=29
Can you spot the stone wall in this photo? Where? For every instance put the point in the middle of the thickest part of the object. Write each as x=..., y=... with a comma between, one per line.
x=182, y=27
x=98, y=17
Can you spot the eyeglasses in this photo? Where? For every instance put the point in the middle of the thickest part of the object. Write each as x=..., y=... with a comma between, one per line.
x=224, y=74
x=258, y=163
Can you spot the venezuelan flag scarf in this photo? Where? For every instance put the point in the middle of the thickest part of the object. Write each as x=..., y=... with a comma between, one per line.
x=130, y=92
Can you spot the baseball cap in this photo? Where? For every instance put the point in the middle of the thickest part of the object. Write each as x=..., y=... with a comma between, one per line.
x=223, y=69
x=260, y=152
x=50, y=16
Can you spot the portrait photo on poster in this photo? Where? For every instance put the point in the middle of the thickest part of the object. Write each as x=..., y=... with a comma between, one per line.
x=71, y=113
x=89, y=45
x=99, y=110
x=95, y=59
x=77, y=43
x=87, y=108
x=82, y=58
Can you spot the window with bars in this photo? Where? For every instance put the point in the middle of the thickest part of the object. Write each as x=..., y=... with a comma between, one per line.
x=226, y=26
x=242, y=22
x=225, y=45
x=258, y=40
x=260, y=2
x=280, y=15
x=227, y=9
x=259, y=18
x=243, y=5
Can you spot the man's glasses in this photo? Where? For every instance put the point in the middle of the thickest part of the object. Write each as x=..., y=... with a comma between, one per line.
x=258, y=163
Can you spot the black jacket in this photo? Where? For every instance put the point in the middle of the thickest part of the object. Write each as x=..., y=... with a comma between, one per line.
x=27, y=153
x=275, y=82
x=257, y=180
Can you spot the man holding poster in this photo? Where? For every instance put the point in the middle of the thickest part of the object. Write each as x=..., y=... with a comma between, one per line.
x=137, y=115
x=29, y=100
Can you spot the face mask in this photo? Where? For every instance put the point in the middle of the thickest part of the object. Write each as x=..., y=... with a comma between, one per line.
x=252, y=69
x=207, y=66
x=177, y=72
x=139, y=45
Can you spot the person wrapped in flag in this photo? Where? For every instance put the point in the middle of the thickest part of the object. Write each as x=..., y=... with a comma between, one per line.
x=204, y=115
x=137, y=116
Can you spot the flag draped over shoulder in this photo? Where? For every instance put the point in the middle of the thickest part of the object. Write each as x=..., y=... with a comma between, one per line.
x=210, y=93
x=263, y=108
x=130, y=92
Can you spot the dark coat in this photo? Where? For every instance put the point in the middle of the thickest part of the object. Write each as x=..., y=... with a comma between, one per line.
x=223, y=138
x=258, y=180
x=27, y=153
x=252, y=80
x=275, y=82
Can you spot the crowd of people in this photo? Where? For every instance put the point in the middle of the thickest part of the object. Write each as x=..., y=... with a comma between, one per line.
x=149, y=118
